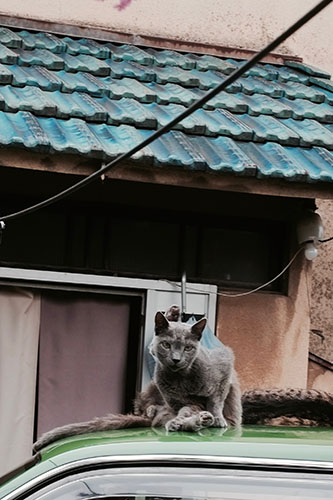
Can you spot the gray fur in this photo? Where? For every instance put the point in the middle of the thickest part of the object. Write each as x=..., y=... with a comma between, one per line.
x=189, y=375
x=106, y=423
x=193, y=387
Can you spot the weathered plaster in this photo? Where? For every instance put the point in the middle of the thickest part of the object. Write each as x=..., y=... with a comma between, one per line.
x=269, y=333
x=321, y=343
x=214, y=22
x=320, y=378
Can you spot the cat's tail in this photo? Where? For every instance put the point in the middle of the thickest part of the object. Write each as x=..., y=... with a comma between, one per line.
x=106, y=423
x=296, y=407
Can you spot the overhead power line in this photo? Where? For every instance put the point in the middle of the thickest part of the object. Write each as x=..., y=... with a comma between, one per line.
x=158, y=133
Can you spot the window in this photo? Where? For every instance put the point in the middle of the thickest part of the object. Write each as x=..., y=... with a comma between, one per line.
x=185, y=483
x=227, y=251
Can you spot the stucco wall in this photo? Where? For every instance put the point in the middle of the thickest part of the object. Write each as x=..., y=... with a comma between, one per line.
x=320, y=378
x=321, y=343
x=213, y=21
x=269, y=333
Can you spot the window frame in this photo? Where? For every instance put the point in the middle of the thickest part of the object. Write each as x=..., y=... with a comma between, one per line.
x=149, y=290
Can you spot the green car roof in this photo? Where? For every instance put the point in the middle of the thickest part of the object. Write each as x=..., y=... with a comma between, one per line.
x=275, y=443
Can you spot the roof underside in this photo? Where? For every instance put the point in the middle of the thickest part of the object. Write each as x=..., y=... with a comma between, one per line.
x=58, y=94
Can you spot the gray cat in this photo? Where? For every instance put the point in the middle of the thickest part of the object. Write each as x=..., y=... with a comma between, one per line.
x=194, y=380
x=193, y=387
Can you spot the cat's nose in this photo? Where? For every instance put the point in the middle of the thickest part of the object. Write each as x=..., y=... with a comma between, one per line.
x=176, y=361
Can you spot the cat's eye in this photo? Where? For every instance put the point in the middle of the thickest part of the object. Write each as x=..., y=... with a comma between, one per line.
x=188, y=348
x=165, y=344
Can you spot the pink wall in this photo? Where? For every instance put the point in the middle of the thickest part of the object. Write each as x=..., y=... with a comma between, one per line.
x=269, y=333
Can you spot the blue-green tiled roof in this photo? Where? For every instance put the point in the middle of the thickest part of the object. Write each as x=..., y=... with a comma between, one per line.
x=60, y=94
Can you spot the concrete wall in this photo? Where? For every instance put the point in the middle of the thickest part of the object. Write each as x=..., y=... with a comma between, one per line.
x=213, y=21
x=269, y=333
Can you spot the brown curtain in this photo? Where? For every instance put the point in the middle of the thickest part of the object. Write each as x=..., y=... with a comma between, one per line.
x=19, y=333
x=83, y=353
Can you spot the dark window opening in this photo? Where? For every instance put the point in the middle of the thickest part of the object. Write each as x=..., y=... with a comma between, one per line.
x=146, y=231
x=227, y=251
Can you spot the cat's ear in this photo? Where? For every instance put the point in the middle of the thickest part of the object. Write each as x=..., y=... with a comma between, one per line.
x=198, y=328
x=161, y=323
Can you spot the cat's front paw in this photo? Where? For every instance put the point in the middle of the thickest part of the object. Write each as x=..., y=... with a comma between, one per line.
x=151, y=411
x=220, y=422
x=173, y=425
x=206, y=419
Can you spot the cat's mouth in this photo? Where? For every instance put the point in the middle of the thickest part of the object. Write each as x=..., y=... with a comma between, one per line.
x=176, y=367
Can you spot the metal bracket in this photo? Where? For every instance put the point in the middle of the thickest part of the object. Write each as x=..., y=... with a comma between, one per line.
x=183, y=296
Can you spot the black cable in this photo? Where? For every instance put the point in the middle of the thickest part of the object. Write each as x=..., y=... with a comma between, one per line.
x=199, y=103
x=327, y=239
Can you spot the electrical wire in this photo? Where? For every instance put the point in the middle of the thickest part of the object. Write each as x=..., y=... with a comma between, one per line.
x=242, y=294
x=326, y=240
x=197, y=104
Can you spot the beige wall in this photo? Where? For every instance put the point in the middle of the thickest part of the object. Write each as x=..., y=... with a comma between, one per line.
x=322, y=289
x=269, y=333
x=213, y=21
x=320, y=378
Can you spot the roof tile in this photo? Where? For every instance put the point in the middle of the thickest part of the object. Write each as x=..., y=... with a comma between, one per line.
x=176, y=75
x=130, y=53
x=50, y=42
x=257, y=85
x=232, y=102
x=296, y=90
x=100, y=99
x=6, y=76
x=309, y=70
x=228, y=124
x=10, y=38
x=28, y=40
x=130, y=112
x=268, y=128
x=131, y=70
x=302, y=108
x=323, y=83
x=27, y=99
x=36, y=76
x=285, y=74
x=264, y=105
x=170, y=58
x=128, y=87
x=317, y=162
x=311, y=133
x=7, y=56
x=274, y=161
x=38, y=57
x=193, y=124
x=206, y=62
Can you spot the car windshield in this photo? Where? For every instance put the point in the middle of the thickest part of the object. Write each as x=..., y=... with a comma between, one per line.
x=187, y=483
